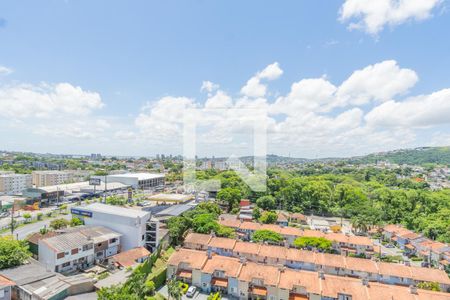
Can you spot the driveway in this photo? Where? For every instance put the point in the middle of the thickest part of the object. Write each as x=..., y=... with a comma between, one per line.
x=198, y=295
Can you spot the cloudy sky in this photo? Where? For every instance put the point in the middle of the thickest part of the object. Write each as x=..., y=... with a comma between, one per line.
x=322, y=78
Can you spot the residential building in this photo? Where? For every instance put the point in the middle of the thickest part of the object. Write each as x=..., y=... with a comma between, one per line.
x=242, y=279
x=130, y=257
x=78, y=249
x=342, y=243
x=13, y=184
x=131, y=223
x=332, y=264
x=5, y=288
x=33, y=281
x=46, y=178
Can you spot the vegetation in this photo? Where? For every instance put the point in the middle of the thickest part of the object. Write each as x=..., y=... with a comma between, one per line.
x=431, y=286
x=266, y=202
x=59, y=223
x=76, y=222
x=27, y=217
x=268, y=217
x=12, y=252
x=318, y=243
x=230, y=196
x=269, y=236
x=203, y=219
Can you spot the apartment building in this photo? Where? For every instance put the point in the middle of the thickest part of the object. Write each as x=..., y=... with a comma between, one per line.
x=13, y=184
x=333, y=264
x=48, y=178
x=78, y=249
x=341, y=243
x=242, y=279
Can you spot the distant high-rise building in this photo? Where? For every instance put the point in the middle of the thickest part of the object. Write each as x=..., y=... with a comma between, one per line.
x=11, y=184
x=46, y=178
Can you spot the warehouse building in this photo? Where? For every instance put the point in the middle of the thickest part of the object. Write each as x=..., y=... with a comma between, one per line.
x=142, y=181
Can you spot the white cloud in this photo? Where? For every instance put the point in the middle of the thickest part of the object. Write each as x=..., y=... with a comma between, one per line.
x=254, y=88
x=47, y=101
x=5, y=71
x=209, y=86
x=420, y=111
x=380, y=82
x=219, y=100
x=125, y=135
x=373, y=15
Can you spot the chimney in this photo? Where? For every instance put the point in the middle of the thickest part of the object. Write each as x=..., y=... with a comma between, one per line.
x=413, y=289
x=281, y=268
x=321, y=274
x=243, y=260
x=365, y=281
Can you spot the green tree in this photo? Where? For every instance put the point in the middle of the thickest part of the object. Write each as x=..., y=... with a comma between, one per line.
x=431, y=286
x=266, y=202
x=205, y=223
x=174, y=289
x=256, y=214
x=313, y=242
x=12, y=252
x=177, y=226
x=268, y=217
x=59, y=223
x=27, y=217
x=39, y=216
x=267, y=236
x=229, y=196
x=76, y=222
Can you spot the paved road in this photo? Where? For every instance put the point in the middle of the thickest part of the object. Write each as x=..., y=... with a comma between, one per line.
x=22, y=232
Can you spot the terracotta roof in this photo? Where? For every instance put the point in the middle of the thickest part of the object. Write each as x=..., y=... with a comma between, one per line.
x=298, y=216
x=281, y=217
x=197, y=238
x=35, y=237
x=290, y=278
x=4, y=282
x=230, y=223
x=330, y=260
x=332, y=286
x=229, y=265
x=429, y=274
x=301, y=255
x=250, y=226
x=128, y=258
x=194, y=258
x=246, y=247
x=251, y=270
x=359, y=264
x=272, y=251
x=221, y=282
x=223, y=243
x=313, y=233
x=394, y=270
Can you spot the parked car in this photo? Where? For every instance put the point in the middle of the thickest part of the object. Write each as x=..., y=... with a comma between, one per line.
x=191, y=291
x=390, y=246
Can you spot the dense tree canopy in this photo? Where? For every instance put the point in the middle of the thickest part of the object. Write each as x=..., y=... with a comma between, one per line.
x=12, y=252
x=267, y=236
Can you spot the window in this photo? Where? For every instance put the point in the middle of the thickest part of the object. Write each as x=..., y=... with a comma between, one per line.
x=74, y=251
x=65, y=264
x=113, y=240
x=60, y=255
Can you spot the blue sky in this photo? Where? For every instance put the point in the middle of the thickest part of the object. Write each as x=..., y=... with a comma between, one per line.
x=127, y=56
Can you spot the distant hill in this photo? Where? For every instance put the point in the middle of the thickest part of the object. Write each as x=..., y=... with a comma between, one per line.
x=417, y=156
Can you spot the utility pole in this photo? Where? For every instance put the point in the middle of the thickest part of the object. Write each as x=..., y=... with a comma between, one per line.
x=12, y=220
x=106, y=189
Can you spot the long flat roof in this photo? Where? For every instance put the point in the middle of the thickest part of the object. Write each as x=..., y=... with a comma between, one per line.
x=139, y=176
x=114, y=210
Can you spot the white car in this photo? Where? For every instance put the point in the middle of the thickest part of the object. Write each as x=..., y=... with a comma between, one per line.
x=191, y=291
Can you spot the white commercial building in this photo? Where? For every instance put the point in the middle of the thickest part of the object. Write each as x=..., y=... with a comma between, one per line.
x=12, y=184
x=134, y=225
x=142, y=181
x=46, y=178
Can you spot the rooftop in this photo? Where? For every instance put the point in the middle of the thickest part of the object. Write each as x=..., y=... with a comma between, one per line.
x=128, y=258
x=139, y=176
x=114, y=210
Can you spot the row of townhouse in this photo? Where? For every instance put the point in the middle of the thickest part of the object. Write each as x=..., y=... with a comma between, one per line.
x=342, y=243
x=435, y=253
x=78, y=248
x=241, y=279
x=332, y=264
